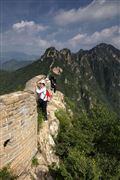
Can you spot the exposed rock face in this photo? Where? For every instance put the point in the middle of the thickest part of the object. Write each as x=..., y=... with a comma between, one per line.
x=98, y=68
x=19, y=139
x=46, y=135
x=51, y=52
x=57, y=70
x=48, y=131
x=18, y=130
x=65, y=51
x=52, y=126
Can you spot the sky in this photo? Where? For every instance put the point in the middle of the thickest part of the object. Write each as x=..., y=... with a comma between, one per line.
x=31, y=26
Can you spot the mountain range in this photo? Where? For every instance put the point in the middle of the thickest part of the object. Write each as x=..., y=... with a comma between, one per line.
x=86, y=77
x=13, y=64
x=19, y=56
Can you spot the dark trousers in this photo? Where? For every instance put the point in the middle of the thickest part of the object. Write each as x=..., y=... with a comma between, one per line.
x=54, y=88
x=43, y=107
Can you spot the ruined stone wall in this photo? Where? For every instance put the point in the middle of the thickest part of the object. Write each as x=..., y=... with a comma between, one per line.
x=18, y=130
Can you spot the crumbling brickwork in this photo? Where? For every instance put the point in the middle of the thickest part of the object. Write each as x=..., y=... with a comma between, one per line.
x=18, y=130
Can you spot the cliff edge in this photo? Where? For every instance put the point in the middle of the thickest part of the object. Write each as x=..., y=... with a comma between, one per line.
x=47, y=132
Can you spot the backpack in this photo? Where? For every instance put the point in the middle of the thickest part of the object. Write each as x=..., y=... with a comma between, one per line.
x=49, y=95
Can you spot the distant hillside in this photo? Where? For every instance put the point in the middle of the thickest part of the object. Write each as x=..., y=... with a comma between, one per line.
x=86, y=76
x=19, y=56
x=13, y=65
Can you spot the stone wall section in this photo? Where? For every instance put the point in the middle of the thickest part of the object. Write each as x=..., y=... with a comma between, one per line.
x=18, y=130
x=19, y=139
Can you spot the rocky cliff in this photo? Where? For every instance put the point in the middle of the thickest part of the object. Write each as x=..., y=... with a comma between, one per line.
x=48, y=131
x=20, y=141
x=86, y=77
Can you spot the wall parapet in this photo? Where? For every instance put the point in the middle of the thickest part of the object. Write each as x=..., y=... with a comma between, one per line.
x=18, y=130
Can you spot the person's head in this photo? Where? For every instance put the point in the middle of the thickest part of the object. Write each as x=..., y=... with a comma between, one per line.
x=42, y=83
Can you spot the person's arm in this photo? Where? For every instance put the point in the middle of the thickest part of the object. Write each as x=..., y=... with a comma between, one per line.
x=37, y=85
x=39, y=91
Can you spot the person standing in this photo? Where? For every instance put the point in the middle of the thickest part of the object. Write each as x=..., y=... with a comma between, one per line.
x=53, y=83
x=42, y=100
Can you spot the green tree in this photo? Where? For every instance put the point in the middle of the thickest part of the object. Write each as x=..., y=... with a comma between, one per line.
x=88, y=145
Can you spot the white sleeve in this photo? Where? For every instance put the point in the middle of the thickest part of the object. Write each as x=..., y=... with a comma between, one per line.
x=38, y=90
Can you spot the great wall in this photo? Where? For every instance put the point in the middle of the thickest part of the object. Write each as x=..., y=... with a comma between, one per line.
x=19, y=138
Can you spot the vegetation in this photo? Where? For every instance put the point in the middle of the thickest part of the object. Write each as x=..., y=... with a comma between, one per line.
x=88, y=146
x=7, y=174
x=40, y=118
x=35, y=162
x=86, y=75
x=13, y=64
x=14, y=81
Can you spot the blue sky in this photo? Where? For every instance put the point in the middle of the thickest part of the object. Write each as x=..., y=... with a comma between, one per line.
x=31, y=26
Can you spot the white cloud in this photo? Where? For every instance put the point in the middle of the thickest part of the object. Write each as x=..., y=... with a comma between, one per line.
x=42, y=43
x=29, y=43
x=97, y=10
x=77, y=39
x=108, y=35
x=22, y=37
x=28, y=26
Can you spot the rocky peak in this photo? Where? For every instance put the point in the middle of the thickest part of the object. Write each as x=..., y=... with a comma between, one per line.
x=103, y=45
x=101, y=63
x=51, y=52
x=65, y=51
x=98, y=68
x=105, y=48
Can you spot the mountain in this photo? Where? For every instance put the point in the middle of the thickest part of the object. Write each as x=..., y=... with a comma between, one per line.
x=86, y=77
x=20, y=56
x=88, y=140
x=13, y=65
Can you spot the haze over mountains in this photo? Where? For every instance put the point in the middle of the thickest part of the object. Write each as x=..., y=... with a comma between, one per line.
x=19, y=56
x=14, y=60
x=13, y=64
x=86, y=77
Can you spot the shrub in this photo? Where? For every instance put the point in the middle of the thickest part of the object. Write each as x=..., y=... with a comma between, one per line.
x=7, y=174
x=88, y=145
x=35, y=162
x=40, y=118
